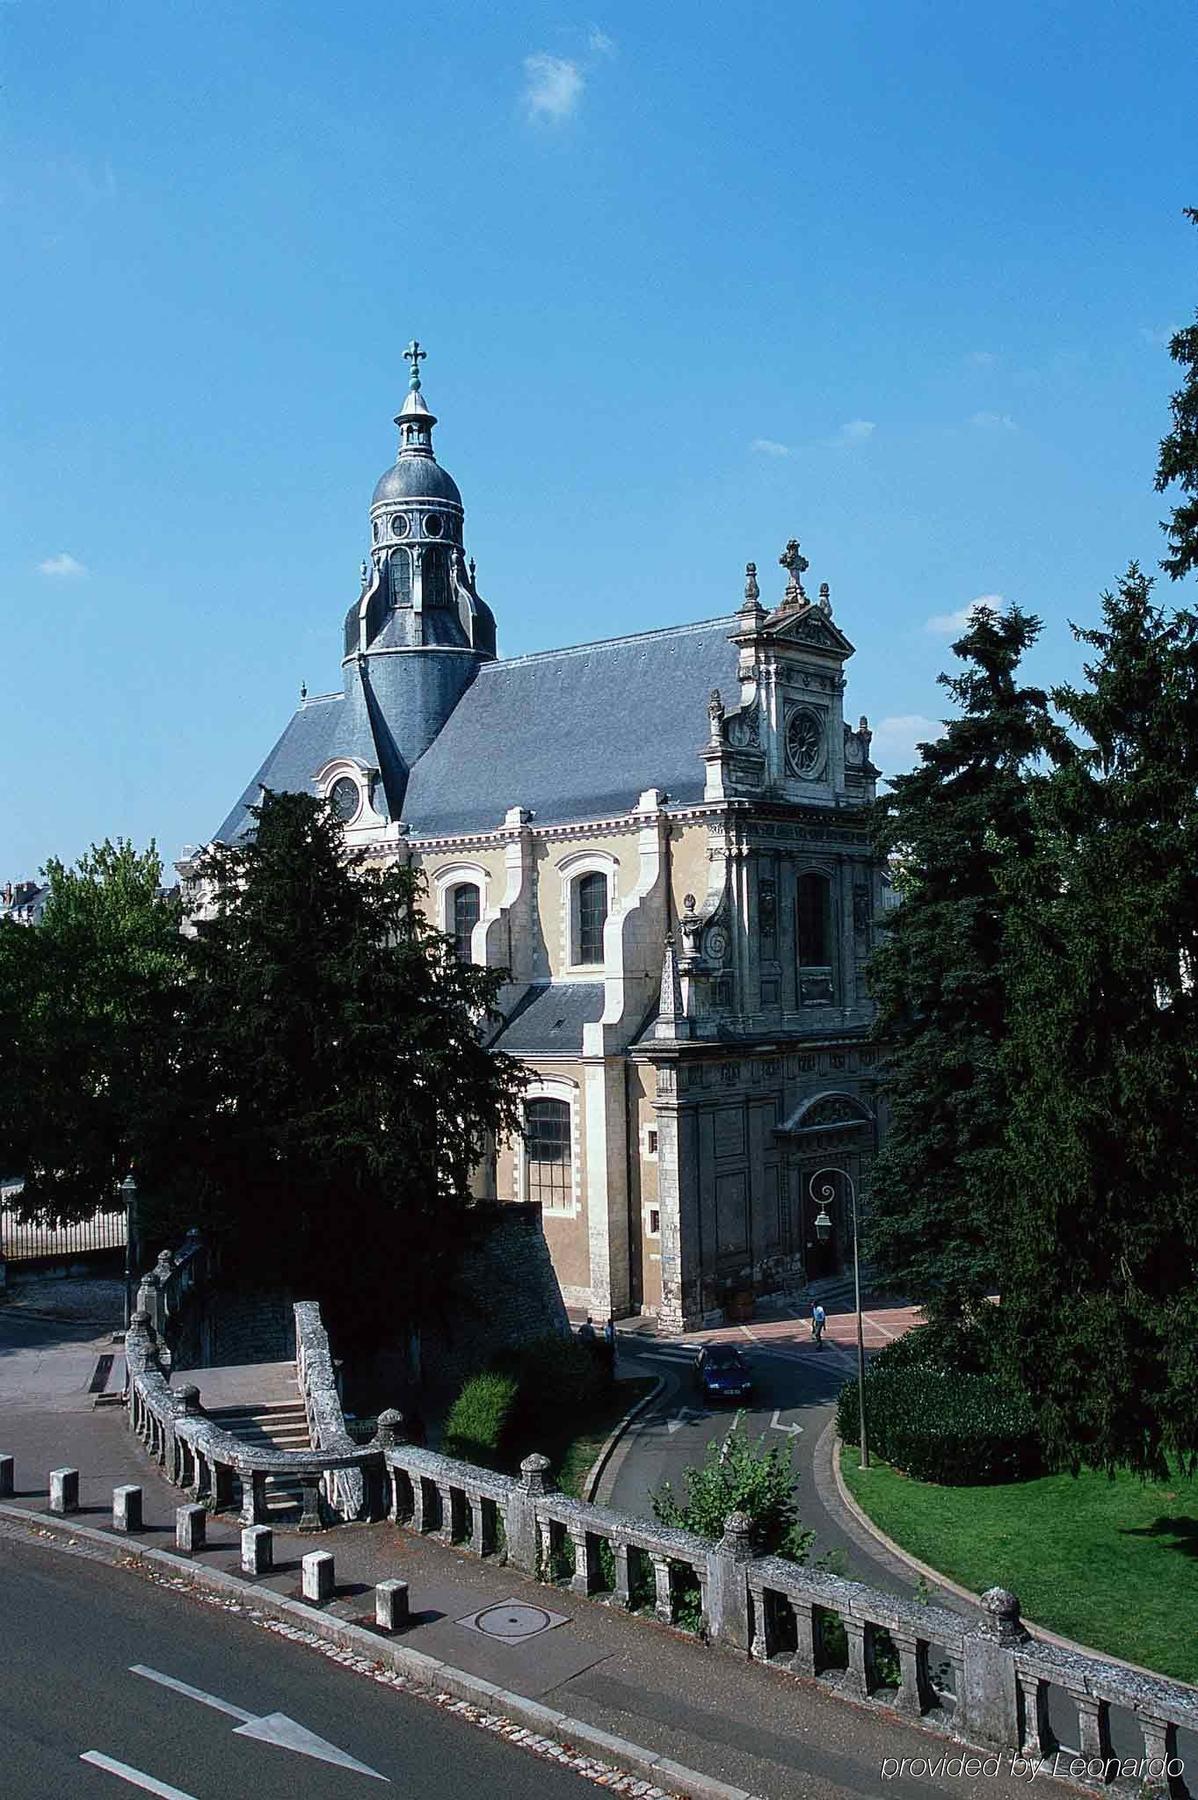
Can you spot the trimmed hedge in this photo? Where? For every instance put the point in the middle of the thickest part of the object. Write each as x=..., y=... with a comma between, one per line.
x=942, y=1425
x=479, y=1419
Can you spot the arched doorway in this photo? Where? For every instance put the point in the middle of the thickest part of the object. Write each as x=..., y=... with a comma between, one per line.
x=835, y=1132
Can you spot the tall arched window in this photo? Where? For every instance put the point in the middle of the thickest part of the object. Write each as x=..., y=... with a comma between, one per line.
x=548, y=1153
x=812, y=921
x=590, y=915
x=463, y=917
x=813, y=932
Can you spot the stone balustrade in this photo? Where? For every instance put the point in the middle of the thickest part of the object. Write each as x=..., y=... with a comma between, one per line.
x=213, y=1466
x=985, y=1679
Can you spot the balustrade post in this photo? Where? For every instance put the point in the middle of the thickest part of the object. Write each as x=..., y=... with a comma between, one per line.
x=623, y=1588
x=1160, y=1745
x=310, y=1519
x=444, y=1533
x=478, y=1524
x=803, y=1660
x=725, y=1584
x=989, y=1694
x=585, y=1578
x=915, y=1693
x=420, y=1511
x=253, y=1496
x=857, y=1673
x=663, y=1585
x=545, y=1549
x=1093, y=1727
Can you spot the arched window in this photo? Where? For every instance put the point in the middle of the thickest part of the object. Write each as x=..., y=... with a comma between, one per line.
x=590, y=915
x=548, y=1153
x=463, y=917
x=812, y=921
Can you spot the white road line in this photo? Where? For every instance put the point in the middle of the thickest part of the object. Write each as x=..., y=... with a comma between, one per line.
x=738, y=1416
x=193, y=1693
x=135, y=1777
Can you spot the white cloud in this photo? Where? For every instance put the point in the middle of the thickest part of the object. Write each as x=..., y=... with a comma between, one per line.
x=945, y=624
x=855, y=431
x=769, y=447
x=599, y=43
x=553, y=87
x=62, y=564
x=993, y=421
x=895, y=740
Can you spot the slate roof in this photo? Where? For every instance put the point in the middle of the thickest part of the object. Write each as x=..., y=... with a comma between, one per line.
x=576, y=733
x=570, y=734
x=548, y=1021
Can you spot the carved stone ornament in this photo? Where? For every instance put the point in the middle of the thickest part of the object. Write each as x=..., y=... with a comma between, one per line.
x=804, y=743
x=744, y=729
x=715, y=716
x=715, y=944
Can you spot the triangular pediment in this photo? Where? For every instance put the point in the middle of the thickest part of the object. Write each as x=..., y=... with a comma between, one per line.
x=808, y=625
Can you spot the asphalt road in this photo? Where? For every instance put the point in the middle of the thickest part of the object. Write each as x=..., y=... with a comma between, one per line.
x=75, y=1720
x=794, y=1397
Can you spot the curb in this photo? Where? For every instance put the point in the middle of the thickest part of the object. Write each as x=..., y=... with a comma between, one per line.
x=594, y=1474
x=413, y=1665
x=963, y=1593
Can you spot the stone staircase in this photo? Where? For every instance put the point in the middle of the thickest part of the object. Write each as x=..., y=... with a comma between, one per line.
x=278, y=1427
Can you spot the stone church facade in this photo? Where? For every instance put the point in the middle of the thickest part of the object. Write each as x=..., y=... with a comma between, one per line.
x=661, y=839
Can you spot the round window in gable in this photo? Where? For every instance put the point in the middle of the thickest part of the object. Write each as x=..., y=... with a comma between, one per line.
x=434, y=525
x=399, y=524
x=346, y=797
x=804, y=743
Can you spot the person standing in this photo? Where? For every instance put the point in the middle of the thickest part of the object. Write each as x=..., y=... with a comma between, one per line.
x=609, y=1340
x=819, y=1319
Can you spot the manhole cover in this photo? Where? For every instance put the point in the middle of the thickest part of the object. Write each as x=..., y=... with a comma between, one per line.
x=512, y=1620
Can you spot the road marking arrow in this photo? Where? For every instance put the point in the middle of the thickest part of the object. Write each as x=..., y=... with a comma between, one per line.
x=776, y=1424
x=686, y=1417
x=269, y=1728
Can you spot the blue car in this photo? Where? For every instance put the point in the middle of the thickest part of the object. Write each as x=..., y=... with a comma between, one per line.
x=723, y=1373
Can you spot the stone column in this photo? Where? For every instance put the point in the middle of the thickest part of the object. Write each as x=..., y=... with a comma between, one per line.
x=856, y=1676
x=727, y=1592
x=310, y=1519
x=803, y=1660
x=663, y=1604
x=584, y=1578
x=520, y=1516
x=914, y=1695
x=253, y=1496
x=1160, y=1743
x=623, y=1593
x=389, y=1435
x=1093, y=1726
x=989, y=1697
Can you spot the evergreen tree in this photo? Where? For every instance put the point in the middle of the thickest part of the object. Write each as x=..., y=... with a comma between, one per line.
x=89, y=1005
x=957, y=823
x=339, y=1094
x=1099, y=1240
x=1178, y=460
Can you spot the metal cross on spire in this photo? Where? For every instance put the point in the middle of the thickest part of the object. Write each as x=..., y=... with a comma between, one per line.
x=415, y=355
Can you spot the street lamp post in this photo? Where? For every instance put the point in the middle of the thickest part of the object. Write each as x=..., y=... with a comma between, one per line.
x=823, y=1196
x=129, y=1196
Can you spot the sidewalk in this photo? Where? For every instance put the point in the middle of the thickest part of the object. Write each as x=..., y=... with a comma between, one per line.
x=757, y=1729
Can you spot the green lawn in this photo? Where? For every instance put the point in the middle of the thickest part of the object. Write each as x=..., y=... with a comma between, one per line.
x=1113, y=1564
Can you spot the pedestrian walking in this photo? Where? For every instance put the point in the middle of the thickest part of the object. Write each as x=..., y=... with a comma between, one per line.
x=819, y=1319
x=609, y=1340
x=586, y=1331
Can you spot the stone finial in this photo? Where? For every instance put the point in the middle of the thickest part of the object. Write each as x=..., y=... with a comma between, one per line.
x=1001, y=1616
x=472, y=569
x=671, y=1014
x=188, y=1397
x=825, y=598
x=752, y=592
x=165, y=1264
x=364, y=572
x=737, y=1541
x=715, y=716
x=391, y=1428
x=140, y=1318
x=414, y=355
x=303, y=691
x=534, y=1474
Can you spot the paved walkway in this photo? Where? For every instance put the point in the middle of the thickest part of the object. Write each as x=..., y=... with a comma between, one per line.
x=758, y=1729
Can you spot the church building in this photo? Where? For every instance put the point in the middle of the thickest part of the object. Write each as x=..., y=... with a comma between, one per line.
x=661, y=839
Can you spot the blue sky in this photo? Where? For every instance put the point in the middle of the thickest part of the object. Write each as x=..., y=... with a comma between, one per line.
x=892, y=277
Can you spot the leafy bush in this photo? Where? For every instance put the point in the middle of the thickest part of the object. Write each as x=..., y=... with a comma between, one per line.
x=479, y=1418
x=556, y=1375
x=737, y=1476
x=943, y=1425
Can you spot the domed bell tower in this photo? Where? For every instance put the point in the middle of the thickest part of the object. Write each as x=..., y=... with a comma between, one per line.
x=416, y=635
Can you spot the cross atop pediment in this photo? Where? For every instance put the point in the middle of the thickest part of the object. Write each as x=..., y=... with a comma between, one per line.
x=796, y=565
